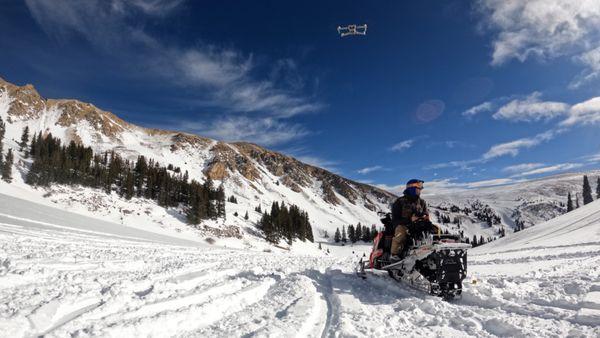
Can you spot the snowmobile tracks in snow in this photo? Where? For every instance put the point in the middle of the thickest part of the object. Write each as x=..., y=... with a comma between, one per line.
x=70, y=284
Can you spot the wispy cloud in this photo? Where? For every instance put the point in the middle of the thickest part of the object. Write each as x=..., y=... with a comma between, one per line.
x=550, y=169
x=451, y=185
x=530, y=109
x=518, y=168
x=463, y=165
x=264, y=131
x=592, y=158
x=367, y=170
x=587, y=112
x=481, y=108
x=218, y=77
x=401, y=146
x=514, y=147
x=511, y=148
x=546, y=29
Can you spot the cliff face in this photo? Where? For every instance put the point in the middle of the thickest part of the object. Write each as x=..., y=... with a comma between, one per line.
x=256, y=174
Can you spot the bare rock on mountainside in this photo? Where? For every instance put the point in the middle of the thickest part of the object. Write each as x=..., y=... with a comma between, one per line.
x=241, y=165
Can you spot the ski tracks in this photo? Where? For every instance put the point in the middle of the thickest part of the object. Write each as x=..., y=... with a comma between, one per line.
x=83, y=286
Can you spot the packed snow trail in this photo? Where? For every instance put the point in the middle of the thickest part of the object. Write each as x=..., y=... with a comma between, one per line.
x=61, y=282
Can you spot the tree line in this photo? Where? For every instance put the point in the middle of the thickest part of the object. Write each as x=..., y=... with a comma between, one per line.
x=284, y=222
x=76, y=164
x=355, y=234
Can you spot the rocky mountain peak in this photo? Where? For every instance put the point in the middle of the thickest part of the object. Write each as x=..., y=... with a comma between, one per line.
x=240, y=165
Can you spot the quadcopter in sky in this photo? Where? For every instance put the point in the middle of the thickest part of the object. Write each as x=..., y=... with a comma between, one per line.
x=352, y=30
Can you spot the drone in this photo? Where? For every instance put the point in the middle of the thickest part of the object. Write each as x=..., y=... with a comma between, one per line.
x=352, y=30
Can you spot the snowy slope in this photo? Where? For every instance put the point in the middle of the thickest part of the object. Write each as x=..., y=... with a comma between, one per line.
x=530, y=202
x=256, y=176
x=59, y=279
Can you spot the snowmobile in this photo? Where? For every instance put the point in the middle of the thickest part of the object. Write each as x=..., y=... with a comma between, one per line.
x=429, y=260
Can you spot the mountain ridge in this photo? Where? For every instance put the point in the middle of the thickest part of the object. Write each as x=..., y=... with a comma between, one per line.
x=247, y=169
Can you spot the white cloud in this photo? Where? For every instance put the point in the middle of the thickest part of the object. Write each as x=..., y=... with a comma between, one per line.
x=511, y=148
x=222, y=77
x=463, y=165
x=518, y=168
x=514, y=147
x=546, y=29
x=264, y=131
x=489, y=183
x=481, y=108
x=592, y=158
x=587, y=112
x=153, y=7
x=367, y=170
x=550, y=169
x=590, y=59
x=400, y=146
x=531, y=109
x=450, y=185
x=211, y=66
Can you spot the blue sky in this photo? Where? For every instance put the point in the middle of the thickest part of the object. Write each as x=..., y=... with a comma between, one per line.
x=458, y=93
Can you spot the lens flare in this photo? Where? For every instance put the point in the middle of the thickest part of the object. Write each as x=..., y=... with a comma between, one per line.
x=429, y=110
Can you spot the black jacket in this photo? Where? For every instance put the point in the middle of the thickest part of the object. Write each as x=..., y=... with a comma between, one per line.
x=405, y=207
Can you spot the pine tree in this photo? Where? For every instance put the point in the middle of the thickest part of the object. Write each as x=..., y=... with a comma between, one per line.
x=211, y=210
x=481, y=240
x=128, y=186
x=474, y=241
x=220, y=201
x=337, y=237
x=358, y=232
x=366, y=234
x=325, y=234
x=266, y=225
x=351, y=233
x=7, y=167
x=569, y=203
x=597, y=188
x=309, y=232
x=246, y=216
x=344, y=238
x=320, y=248
x=24, y=140
x=587, y=191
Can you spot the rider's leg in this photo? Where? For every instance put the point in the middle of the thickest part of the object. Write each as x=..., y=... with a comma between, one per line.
x=399, y=239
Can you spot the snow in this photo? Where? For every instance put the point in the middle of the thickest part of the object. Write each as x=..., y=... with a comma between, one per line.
x=132, y=141
x=69, y=275
x=532, y=202
x=77, y=262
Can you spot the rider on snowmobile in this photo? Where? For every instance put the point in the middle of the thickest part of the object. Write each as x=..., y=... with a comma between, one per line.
x=407, y=211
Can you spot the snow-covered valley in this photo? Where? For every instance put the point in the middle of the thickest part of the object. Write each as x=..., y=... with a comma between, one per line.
x=67, y=275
